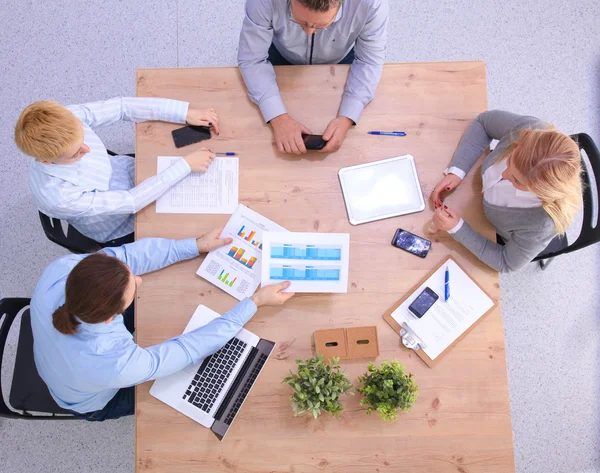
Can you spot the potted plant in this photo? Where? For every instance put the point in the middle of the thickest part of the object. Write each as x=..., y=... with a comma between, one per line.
x=318, y=386
x=387, y=389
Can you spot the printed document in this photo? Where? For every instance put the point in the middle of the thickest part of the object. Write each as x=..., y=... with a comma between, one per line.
x=313, y=262
x=235, y=268
x=444, y=322
x=212, y=192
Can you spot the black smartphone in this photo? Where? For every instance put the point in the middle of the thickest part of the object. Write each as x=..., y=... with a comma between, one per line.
x=314, y=142
x=412, y=243
x=188, y=135
x=423, y=302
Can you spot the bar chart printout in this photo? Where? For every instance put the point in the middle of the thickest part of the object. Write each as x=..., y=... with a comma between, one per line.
x=236, y=268
x=250, y=237
x=313, y=262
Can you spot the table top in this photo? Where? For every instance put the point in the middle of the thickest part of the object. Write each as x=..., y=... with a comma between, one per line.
x=461, y=420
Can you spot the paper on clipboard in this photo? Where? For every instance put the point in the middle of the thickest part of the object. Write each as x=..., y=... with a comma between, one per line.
x=445, y=321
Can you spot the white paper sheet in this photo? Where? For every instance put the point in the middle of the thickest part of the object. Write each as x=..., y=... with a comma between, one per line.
x=313, y=262
x=235, y=268
x=212, y=192
x=444, y=322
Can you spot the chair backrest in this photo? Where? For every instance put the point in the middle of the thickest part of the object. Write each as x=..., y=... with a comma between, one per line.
x=9, y=308
x=28, y=391
x=73, y=241
x=590, y=229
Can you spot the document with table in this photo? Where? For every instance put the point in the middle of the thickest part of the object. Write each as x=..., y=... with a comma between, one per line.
x=212, y=192
x=235, y=268
x=444, y=322
x=312, y=262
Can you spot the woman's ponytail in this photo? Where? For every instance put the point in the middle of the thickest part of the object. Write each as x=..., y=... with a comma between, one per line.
x=63, y=321
x=94, y=292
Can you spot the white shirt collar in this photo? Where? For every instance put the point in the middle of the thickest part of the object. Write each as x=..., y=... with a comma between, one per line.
x=93, y=171
x=501, y=192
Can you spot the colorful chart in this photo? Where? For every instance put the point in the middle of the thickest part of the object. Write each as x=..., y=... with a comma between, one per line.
x=309, y=252
x=249, y=237
x=236, y=253
x=304, y=273
x=223, y=278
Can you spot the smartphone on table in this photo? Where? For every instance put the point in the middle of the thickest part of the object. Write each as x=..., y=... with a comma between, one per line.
x=412, y=243
x=423, y=302
x=315, y=142
x=188, y=135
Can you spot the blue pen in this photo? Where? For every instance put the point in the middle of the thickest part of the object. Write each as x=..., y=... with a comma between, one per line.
x=387, y=133
x=447, y=286
x=228, y=153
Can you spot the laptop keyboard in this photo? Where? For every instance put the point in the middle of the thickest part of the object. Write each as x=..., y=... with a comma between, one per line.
x=208, y=382
x=249, y=383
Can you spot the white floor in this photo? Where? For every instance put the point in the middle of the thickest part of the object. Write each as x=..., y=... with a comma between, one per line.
x=543, y=59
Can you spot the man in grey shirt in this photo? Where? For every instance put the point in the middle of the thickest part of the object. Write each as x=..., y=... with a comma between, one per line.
x=312, y=32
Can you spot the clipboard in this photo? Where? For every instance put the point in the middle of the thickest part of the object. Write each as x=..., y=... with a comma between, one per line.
x=397, y=328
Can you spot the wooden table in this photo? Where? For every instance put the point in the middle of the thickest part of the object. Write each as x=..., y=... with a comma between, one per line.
x=461, y=421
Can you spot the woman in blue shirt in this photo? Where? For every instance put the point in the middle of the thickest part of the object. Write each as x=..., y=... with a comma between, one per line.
x=83, y=350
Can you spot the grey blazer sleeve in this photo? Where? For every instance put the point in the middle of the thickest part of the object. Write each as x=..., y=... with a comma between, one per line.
x=515, y=254
x=488, y=126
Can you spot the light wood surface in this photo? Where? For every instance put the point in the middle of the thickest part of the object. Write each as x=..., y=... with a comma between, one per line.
x=461, y=420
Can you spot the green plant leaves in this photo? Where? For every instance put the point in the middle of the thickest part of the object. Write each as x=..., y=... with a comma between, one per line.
x=317, y=387
x=387, y=390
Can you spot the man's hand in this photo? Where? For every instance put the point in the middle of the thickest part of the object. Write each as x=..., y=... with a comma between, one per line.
x=335, y=133
x=288, y=134
x=447, y=184
x=212, y=241
x=206, y=117
x=272, y=295
x=200, y=160
x=445, y=219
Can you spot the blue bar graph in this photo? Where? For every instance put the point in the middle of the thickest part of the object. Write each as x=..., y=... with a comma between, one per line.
x=306, y=252
x=304, y=273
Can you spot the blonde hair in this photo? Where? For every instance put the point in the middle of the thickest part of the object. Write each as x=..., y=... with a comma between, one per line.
x=551, y=165
x=46, y=129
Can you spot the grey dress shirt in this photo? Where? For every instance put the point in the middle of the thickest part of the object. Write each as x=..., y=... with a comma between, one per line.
x=526, y=231
x=361, y=24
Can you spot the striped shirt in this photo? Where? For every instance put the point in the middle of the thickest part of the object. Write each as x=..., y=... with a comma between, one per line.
x=97, y=194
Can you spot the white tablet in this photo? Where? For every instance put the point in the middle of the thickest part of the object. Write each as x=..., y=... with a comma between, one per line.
x=381, y=189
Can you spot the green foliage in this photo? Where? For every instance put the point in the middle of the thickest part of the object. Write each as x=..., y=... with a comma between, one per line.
x=387, y=390
x=317, y=387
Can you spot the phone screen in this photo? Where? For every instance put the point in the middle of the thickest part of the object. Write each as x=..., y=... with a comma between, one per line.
x=412, y=243
x=188, y=135
x=423, y=302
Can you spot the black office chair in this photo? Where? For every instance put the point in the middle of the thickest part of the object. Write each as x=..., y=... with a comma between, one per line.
x=73, y=241
x=590, y=229
x=28, y=392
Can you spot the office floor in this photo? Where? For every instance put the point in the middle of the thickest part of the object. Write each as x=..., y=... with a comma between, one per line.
x=543, y=58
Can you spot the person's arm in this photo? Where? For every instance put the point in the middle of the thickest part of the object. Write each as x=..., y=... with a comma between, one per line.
x=515, y=254
x=367, y=67
x=488, y=126
x=145, y=364
x=77, y=202
x=253, y=52
x=132, y=109
x=151, y=254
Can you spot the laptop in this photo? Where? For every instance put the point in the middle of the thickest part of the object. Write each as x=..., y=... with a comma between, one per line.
x=213, y=391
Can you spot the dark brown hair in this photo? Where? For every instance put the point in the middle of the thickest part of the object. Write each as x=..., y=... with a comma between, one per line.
x=321, y=5
x=94, y=292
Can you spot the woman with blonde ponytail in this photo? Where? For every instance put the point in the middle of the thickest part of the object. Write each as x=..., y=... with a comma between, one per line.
x=532, y=187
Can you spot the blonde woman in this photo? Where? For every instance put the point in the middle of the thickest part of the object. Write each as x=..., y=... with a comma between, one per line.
x=531, y=187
